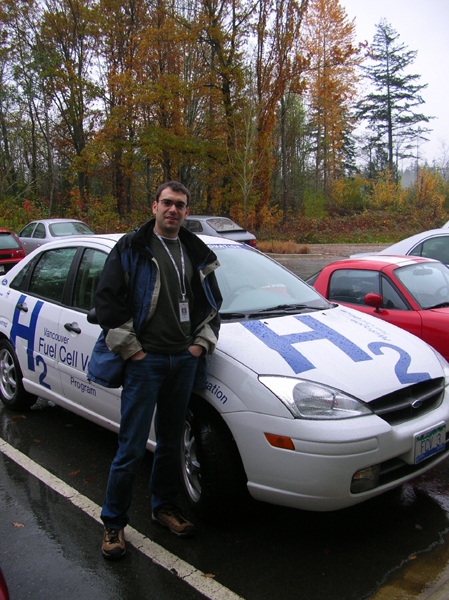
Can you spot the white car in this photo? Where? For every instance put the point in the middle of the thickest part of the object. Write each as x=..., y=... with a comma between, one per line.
x=433, y=243
x=310, y=404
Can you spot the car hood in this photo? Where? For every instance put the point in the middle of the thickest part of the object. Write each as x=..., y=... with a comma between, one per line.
x=340, y=347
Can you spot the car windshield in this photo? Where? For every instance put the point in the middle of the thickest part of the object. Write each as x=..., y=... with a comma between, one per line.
x=8, y=241
x=251, y=283
x=70, y=228
x=223, y=224
x=428, y=283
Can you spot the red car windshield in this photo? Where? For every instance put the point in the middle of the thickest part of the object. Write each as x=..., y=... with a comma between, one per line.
x=428, y=283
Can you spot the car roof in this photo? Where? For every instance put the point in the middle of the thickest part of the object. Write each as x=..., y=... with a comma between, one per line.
x=112, y=238
x=49, y=221
x=382, y=261
x=205, y=217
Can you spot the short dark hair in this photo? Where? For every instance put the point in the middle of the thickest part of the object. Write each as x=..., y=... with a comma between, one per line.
x=175, y=186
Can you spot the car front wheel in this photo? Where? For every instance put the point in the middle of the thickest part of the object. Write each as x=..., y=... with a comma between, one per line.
x=12, y=393
x=211, y=468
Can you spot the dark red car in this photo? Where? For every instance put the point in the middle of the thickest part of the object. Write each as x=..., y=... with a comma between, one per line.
x=4, y=595
x=11, y=250
x=408, y=291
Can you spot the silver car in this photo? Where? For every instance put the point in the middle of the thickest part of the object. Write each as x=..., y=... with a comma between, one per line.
x=40, y=232
x=221, y=227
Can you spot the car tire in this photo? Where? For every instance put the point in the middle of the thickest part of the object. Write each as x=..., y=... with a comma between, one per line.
x=12, y=393
x=211, y=468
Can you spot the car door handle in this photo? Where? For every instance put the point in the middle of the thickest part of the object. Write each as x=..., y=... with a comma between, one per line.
x=22, y=306
x=72, y=327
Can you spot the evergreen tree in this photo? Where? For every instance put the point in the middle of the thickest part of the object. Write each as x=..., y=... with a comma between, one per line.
x=390, y=107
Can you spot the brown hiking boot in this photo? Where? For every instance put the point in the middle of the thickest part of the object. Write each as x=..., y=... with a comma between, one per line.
x=170, y=516
x=113, y=543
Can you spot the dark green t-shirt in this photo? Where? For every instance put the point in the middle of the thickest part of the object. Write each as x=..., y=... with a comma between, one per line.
x=165, y=333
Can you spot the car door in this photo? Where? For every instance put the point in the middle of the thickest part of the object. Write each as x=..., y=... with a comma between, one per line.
x=38, y=238
x=79, y=339
x=350, y=286
x=25, y=236
x=35, y=327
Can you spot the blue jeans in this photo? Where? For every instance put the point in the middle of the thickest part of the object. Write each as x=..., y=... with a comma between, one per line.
x=165, y=380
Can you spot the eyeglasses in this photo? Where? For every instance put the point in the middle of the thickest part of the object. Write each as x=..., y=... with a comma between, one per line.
x=166, y=203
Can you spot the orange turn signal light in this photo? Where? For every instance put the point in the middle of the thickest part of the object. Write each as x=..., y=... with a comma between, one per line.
x=280, y=441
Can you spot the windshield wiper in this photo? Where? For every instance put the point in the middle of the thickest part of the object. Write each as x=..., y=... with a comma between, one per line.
x=232, y=315
x=287, y=308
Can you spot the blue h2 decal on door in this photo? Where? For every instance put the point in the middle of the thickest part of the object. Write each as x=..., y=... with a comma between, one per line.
x=26, y=332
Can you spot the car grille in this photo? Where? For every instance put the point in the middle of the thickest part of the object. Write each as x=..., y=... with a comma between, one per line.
x=411, y=402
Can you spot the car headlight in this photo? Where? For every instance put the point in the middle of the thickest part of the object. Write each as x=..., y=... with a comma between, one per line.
x=444, y=365
x=307, y=400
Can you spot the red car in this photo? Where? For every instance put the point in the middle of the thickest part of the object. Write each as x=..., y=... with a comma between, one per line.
x=4, y=594
x=408, y=291
x=11, y=251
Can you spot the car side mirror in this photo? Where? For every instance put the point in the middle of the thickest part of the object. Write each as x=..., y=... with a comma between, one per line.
x=374, y=300
x=92, y=316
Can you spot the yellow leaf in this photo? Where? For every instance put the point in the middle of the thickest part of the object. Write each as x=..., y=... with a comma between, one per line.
x=18, y=525
x=208, y=575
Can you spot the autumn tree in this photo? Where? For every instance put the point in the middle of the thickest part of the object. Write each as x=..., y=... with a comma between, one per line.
x=66, y=38
x=331, y=80
x=390, y=108
x=122, y=28
x=278, y=70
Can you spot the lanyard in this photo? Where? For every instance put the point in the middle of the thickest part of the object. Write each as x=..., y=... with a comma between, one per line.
x=182, y=282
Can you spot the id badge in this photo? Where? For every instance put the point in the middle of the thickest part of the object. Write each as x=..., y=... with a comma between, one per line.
x=184, y=313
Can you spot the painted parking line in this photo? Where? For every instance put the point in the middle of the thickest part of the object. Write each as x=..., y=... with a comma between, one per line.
x=198, y=580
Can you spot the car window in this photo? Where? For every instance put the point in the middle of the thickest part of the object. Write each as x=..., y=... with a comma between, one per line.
x=427, y=283
x=27, y=230
x=69, y=228
x=391, y=297
x=223, y=224
x=193, y=226
x=352, y=285
x=437, y=248
x=39, y=232
x=87, y=278
x=8, y=241
x=51, y=272
x=20, y=280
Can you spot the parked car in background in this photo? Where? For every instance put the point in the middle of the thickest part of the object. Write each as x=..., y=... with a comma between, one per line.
x=221, y=227
x=410, y=292
x=41, y=232
x=11, y=250
x=307, y=403
x=429, y=244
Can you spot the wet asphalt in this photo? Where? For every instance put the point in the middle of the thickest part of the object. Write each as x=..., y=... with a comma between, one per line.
x=392, y=547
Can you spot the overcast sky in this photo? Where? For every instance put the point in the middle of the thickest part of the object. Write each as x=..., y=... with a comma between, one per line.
x=423, y=25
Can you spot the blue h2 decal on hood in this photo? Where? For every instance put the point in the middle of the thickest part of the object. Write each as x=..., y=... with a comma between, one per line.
x=283, y=345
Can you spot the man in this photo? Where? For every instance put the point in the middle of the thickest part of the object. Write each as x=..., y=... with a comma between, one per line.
x=157, y=303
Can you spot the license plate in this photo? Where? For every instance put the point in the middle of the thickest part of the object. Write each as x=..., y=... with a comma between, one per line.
x=430, y=442
x=2, y=269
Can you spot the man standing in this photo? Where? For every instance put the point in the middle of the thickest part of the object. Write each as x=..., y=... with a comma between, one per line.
x=157, y=303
